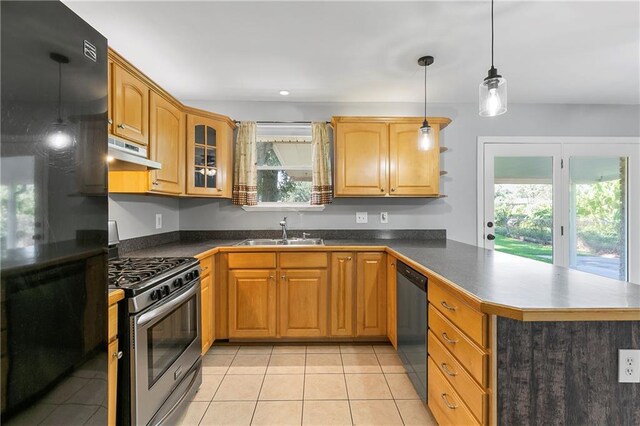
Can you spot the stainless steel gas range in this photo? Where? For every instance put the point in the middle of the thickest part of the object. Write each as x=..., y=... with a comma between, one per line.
x=160, y=329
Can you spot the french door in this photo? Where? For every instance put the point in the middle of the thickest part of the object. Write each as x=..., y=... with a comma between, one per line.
x=572, y=202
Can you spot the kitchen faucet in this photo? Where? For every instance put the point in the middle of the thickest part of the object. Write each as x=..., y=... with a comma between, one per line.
x=283, y=223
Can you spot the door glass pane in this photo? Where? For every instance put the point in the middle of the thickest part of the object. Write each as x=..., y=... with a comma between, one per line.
x=199, y=156
x=523, y=206
x=198, y=179
x=211, y=177
x=211, y=157
x=598, y=215
x=200, y=134
x=211, y=136
x=169, y=338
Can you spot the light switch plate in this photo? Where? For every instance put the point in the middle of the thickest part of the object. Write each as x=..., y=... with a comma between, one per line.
x=361, y=217
x=629, y=365
x=158, y=221
x=384, y=217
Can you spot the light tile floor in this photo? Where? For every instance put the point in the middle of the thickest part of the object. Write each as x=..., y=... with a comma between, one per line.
x=305, y=385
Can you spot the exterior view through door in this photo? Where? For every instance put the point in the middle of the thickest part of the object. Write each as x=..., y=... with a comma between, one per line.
x=567, y=201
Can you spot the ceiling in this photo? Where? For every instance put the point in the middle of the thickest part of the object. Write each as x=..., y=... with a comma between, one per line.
x=581, y=52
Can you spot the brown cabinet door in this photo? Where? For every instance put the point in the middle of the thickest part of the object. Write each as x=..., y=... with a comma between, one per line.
x=112, y=382
x=303, y=302
x=206, y=312
x=252, y=303
x=209, y=162
x=412, y=171
x=130, y=107
x=166, y=144
x=361, y=154
x=342, y=297
x=371, y=295
x=392, y=297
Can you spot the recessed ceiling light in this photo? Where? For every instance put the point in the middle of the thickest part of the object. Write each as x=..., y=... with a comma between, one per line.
x=284, y=92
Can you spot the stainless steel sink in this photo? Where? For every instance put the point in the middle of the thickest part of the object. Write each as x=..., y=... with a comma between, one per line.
x=280, y=242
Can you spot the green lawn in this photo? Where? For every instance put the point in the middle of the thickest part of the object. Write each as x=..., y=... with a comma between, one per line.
x=525, y=249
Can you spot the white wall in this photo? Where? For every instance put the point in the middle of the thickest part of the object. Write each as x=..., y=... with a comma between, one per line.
x=136, y=214
x=457, y=212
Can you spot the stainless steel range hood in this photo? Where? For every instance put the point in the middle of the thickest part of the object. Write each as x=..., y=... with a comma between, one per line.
x=130, y=156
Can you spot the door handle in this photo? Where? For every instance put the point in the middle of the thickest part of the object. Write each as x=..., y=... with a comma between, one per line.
x=491, y=237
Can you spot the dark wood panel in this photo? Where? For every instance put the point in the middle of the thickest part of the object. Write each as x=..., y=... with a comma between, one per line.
x=565, y=373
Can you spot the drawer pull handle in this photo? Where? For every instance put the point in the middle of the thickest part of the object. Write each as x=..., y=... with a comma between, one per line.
x=449, y=340
x=448, y=306
x=445, y=368
x=446, y=401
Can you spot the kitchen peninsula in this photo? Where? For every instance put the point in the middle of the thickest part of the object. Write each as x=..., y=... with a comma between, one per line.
x=542, y=340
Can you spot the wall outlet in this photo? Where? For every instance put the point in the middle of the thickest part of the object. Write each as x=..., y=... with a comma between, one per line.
x=361, y=217
x=629, y=365
x=158, y=221
x=384, y=217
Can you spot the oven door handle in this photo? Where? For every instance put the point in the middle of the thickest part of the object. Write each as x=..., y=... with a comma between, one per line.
x=163, y=309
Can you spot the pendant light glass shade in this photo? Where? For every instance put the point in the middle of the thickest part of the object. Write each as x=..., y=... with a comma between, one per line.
x=425, y=137
x=493, y=95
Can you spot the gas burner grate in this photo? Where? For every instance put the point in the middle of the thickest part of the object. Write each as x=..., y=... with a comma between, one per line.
x=128, y=271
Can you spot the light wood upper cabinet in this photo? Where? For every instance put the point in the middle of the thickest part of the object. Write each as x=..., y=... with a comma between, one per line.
x=167, y=137
x=341, y=302
x=209, y=156
x=379, y=156
x=361, y=158
x=371, y=294
x=130, y=106
x=252, y=303
x=413, y=171
x=303, y=302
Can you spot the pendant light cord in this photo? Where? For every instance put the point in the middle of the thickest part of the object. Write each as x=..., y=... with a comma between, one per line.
x=425, y=92
x=491, y=33
x=59, y=91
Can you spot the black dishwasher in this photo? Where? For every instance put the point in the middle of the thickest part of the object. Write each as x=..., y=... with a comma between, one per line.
x=412, y=325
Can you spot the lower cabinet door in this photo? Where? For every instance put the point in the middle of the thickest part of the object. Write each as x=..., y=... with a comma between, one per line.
x=112, y=382
x=342, y=294
x=252, y=303
x=206, y=298
x=303, y=302
x=371, y=295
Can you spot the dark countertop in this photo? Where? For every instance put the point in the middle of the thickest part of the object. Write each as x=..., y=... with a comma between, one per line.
x=494, y=278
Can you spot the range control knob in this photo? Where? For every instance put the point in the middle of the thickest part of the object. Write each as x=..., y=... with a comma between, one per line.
x=178, y=283
x=156, y=294
x=196, y=273
x=166, y=290
x=188, y=276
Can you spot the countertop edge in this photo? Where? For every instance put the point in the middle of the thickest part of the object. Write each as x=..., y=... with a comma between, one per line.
x=115, y=296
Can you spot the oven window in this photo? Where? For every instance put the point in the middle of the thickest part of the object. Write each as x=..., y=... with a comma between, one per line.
x=170, y=337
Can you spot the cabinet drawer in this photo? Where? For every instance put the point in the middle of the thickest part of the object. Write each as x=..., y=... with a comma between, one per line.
x=303, y=260
x=472, y=394
x=206, y=266
x=113, y=322
x=463, y=349
x=444, y=402
x=252, y=260
x=466, y=318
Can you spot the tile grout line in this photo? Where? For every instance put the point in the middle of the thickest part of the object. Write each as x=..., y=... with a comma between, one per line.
x=391, y=392
x=304, y=382
x=255, y=408
x=344, y=377
x=217, y=388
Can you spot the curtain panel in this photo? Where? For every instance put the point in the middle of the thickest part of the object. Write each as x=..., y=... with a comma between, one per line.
x=245, y=180
x=322, y=187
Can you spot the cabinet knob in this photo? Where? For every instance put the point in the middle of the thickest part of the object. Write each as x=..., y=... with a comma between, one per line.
x=348, y=257
x=381, y=189
x=271, y=277
x=393, y=190
x=110, y=121
x=283, y=277
x=117, y=354
x=121, y=126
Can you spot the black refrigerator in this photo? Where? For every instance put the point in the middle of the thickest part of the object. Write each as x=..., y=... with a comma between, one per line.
x=53, y=216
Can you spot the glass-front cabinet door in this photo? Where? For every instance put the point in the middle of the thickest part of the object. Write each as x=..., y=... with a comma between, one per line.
x=209, y=156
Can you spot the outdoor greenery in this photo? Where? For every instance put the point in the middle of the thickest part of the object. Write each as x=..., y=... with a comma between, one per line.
x=523, y=212
x=24, y=198
x=278, y=185
x=543, y=253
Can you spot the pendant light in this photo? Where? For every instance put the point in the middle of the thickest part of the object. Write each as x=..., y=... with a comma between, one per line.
x=425, y=135
x=493, y=89
x=59, y=135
